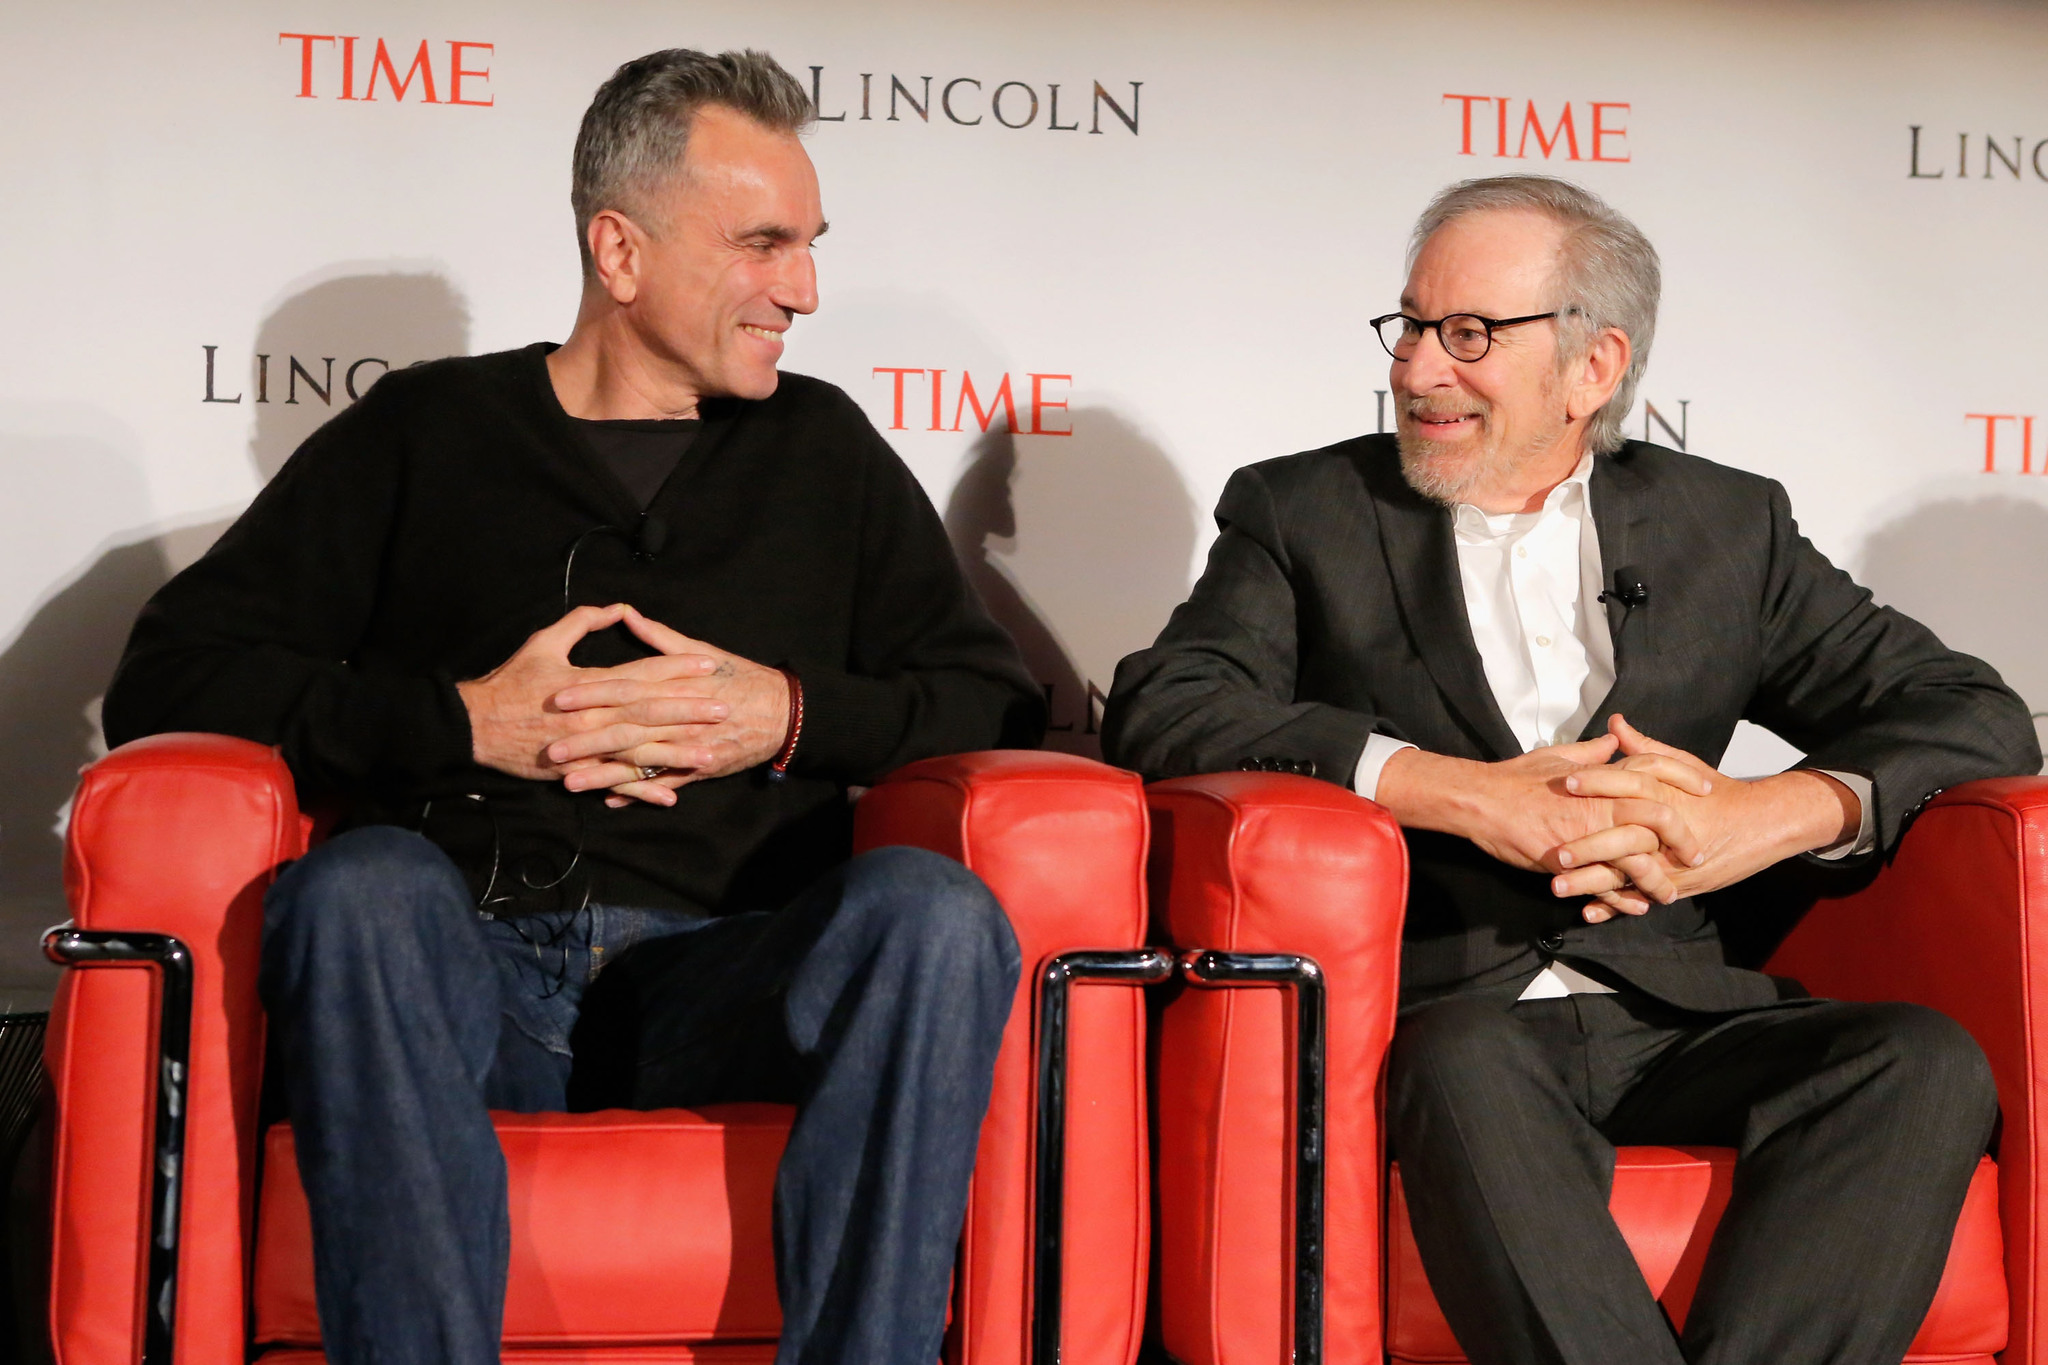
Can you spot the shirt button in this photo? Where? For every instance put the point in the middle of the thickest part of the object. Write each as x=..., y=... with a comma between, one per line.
x=1550, y=942
x=1543, y=642
x=1521, y=552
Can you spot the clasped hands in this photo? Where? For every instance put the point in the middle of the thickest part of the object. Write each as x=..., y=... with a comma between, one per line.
x=638, y=731
x=1622, y=819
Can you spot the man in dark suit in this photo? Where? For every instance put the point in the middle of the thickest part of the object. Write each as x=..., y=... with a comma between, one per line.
x=1455, y=621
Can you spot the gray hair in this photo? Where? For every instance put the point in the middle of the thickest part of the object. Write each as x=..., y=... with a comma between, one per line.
x=638, y=126
x=1607, y=274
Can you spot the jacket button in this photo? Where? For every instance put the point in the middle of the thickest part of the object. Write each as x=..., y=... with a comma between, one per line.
x=1550, y=942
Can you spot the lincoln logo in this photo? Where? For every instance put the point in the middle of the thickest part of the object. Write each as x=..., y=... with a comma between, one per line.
x=972, y=102
x=1978, y=156
x=333, y=65
x=1598, y=134
x=1653, y=420
x=1999, y=441
x=321, y=380
x=979, y=400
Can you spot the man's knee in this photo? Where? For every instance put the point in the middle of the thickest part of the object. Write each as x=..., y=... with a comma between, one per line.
x=366, y=889
x=1931, y=1061
x=935, y=910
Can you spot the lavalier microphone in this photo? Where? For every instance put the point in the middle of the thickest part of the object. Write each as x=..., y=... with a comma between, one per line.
x=1631, y=588
x=649, y=537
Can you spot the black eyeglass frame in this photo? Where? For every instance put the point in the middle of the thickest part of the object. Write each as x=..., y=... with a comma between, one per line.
x=1422, y=326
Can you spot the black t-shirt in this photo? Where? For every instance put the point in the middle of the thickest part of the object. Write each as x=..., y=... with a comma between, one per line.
x=641, y=454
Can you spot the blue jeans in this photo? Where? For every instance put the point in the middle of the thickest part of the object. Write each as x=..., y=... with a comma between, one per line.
x=545, y=965
x=875, y=1002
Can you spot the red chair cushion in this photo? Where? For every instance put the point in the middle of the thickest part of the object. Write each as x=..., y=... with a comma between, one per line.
x=627, y=1229
x=1668, y=1201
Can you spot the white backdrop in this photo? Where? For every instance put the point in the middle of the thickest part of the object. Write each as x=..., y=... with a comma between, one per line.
x=1837, y=304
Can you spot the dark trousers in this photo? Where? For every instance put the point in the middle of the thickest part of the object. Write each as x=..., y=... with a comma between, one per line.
x=875, y=1002
x=1856, y=1126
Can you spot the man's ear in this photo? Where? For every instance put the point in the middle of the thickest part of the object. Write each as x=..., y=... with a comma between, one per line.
x=617, y=252
x=1599, y=374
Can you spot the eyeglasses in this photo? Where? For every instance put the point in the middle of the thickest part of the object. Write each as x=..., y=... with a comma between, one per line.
x=1465, y=336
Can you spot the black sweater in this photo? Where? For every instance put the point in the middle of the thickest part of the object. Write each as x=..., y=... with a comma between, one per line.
x=423, y=534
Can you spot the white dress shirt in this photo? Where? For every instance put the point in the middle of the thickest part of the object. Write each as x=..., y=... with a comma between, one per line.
x=1532, y=583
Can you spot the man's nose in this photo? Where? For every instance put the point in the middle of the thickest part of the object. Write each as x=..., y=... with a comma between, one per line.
x=1431, y=367
x=797, y=286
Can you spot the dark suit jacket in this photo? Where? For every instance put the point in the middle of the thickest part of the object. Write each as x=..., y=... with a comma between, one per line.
x=1331, y=608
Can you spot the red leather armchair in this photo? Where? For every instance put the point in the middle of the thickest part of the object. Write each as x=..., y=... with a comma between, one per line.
x=1263, y=1172
x=637, y=1237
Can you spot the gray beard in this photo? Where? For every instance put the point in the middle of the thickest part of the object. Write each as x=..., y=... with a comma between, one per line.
x=1442, y=473
x=1445, y=475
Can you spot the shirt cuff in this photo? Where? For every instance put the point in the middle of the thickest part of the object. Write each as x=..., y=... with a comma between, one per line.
x=1866, y=831
x=1365, y=778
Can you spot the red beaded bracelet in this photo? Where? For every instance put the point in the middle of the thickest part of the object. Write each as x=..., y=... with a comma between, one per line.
x=778, y=767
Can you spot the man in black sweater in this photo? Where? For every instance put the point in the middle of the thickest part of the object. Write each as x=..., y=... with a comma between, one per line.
x=428, y=610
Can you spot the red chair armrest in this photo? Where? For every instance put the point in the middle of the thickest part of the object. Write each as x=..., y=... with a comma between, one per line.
x=177, y=835
x=1252, y=862
x=167, y=830
x=1061, y=841
x=1959, y=921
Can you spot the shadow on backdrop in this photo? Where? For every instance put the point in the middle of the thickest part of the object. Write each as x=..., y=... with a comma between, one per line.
x=981, y=520
x=360, y=324
x=1080, y=546
x=1971, y=569
x=54, y=672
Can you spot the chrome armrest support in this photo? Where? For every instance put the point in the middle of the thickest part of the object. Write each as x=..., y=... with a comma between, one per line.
x=1302, y=975
x=1138, y=967
x=74, y=947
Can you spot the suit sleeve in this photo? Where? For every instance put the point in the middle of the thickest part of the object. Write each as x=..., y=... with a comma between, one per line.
x=255, y=638
x=1218, y=686
x=928, y=672
x=1864, y=688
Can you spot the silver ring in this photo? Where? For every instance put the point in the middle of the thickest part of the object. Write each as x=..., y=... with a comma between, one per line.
x=649, y=774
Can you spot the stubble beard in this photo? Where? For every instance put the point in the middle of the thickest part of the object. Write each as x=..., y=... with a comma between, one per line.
x=1448, y=472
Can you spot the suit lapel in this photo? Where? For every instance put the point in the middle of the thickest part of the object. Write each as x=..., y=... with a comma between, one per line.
x=1624, y=519
x=1422, y=560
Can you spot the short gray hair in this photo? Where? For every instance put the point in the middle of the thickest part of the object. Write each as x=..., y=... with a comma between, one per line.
x=638, y=126
x=1607, y=274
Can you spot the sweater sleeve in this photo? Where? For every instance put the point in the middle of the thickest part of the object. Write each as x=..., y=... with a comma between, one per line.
x=256, y=638
x=927, y=672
